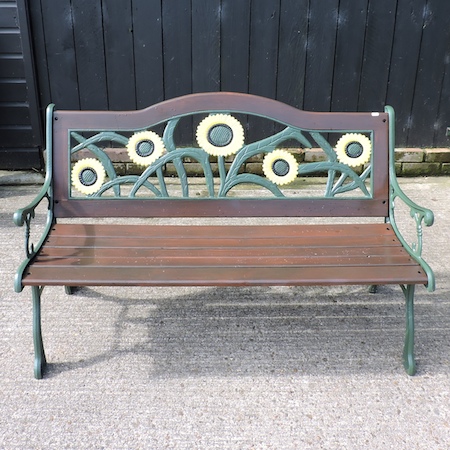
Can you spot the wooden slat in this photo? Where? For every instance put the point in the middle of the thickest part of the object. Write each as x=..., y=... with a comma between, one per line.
x=90, y=54
x=177, y=61
x=204, y=231
x=14, y=113
x=292, y=52
x=8, y=16
x=119, y=58
x=234, y=46
x=218, y=237
x=242, y=261
x=348, y=64
x=199, y=242
x=425, y=113
x=148, y=52
x=320, y=57
x=161, y=255
x=60, y=52
x=205, y=252
x=223, y=276
x=205, y=45
x=264, y=29
x=377, y=55
x=408, y=35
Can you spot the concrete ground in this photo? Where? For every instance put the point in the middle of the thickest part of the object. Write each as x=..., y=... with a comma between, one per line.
x=205, y=368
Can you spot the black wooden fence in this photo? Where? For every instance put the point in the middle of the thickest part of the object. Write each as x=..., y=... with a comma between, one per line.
x=338, y=55
x=20, y=125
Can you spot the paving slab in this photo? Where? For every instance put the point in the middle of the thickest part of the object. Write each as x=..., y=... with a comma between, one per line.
x=207, y=368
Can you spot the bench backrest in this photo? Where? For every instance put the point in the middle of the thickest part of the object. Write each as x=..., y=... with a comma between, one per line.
x=355, y=160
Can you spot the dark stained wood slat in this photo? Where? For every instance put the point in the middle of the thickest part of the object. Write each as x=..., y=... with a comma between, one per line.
x=224, y=276
x=103, y=252
x=217, y=230
x=331, y=241
x=218, y=237
x=188, y=261
x=219, y=255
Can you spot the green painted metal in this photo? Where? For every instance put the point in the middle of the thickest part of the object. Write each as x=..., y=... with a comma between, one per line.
x=341, y=178
x=420, y=214
x=39, y=355
x=408, y=351
x=24, y=216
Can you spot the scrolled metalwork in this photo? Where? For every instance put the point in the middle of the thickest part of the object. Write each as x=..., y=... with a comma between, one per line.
x=221, y=142
x=419, y=214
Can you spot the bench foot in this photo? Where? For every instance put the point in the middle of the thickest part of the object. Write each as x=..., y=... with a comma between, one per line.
x=373, y=288
x=408, y=351
x=69, y=289
x=39, y=354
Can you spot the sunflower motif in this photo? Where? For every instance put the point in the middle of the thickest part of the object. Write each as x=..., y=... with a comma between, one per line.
x=353, y=149
x=145, y=147
x=88, y=175
x=280, y=167
x=220, y=135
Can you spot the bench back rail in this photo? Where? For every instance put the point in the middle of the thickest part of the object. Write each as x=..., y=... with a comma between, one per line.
x=353, y=151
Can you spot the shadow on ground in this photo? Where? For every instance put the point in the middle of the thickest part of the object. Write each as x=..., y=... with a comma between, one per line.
x=239, y=331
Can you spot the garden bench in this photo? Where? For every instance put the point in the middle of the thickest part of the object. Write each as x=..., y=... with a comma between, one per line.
x=359, y=186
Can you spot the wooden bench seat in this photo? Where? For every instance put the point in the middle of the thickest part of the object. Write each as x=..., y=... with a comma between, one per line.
x=245, y=176
x=141, y=255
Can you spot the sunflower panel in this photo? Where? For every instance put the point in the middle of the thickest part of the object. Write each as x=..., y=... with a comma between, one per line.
x=222, y=162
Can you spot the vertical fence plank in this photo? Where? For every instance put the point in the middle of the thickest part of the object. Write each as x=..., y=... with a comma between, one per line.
x=148, y=52
x=120, y=74
x=177, y=38
x=292, y=51
x=235, y=45
x=60, y=46
x=404, y=63
x=349, y=55
x=307, y=53
x=40, y=54
x=320, y=54
x=377, y=55
x=264, y=29
x=90, y=54
x=265, y=19
x=205, y=45
x=432, y=63
x=443, y=120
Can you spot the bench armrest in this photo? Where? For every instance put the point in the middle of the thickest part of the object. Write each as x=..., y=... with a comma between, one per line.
x=25, y=216
x=421, y=215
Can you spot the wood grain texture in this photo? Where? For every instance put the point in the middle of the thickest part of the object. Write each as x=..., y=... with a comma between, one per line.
x=92, y=255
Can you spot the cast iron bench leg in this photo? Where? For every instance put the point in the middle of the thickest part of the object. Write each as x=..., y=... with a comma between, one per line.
x=69, y=289
x=39, y=355
x=408, y=351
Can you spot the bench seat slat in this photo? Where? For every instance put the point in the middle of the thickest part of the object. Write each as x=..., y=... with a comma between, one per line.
x=88, y=255
x=223, y=252
x=224, y=276
x=183, y=231
x=271, y=236
x=220, y=242
x=188, y=261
